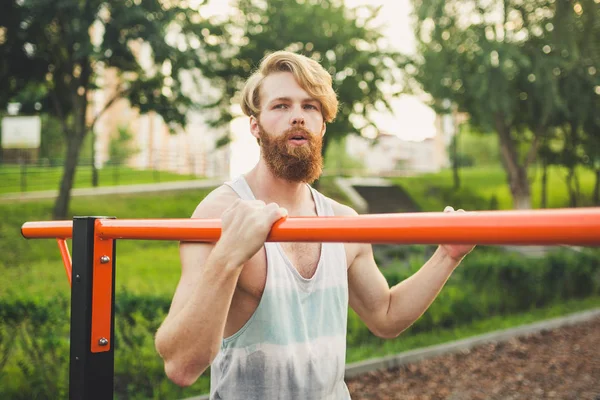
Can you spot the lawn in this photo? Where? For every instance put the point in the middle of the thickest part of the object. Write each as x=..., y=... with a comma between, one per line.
x=409, y=341
x=34, y=268
x=484, y=188
x=34, y=178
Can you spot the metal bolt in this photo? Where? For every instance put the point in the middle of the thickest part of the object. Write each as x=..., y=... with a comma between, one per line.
x=103, y=342
x=76, y=358
x=77, y=277
x=104, y=259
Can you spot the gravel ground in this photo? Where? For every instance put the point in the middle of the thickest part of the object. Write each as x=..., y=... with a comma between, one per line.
x=560, y=364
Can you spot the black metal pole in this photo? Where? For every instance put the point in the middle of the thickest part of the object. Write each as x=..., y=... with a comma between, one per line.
x=91, y=375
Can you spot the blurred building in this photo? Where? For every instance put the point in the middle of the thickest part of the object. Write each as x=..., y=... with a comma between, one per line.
x=191, y=150
x=388, y=154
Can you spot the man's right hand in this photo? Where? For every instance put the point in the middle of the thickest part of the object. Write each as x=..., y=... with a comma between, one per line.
x=244, y=228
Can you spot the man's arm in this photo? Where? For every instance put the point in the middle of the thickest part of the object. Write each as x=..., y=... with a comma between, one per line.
x=387, y=312
x=190, y=336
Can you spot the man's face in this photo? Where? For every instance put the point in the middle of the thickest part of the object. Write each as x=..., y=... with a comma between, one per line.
x=290, y=128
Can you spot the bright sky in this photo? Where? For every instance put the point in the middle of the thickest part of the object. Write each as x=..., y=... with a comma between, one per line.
x=411, y=120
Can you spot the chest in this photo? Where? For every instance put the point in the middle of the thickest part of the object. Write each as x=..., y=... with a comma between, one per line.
x=253, y=278
x=303, y=256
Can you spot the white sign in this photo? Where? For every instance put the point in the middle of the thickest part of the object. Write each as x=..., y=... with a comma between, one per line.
x=21, y=132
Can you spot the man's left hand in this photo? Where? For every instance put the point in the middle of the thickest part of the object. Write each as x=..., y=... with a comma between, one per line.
x=456, y=251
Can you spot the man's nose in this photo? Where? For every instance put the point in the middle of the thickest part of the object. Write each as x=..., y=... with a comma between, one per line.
x=297, y=120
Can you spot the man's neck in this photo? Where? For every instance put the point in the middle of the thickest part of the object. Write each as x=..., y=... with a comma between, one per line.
x=294, y=196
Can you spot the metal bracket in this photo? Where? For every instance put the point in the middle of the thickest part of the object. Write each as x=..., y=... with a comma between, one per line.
x=66, y=257
x=102, y=281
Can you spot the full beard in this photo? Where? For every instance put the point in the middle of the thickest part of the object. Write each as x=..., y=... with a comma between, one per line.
x=289, y=162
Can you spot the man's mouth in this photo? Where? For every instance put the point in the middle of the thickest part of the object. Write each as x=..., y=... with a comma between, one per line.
x=298, y=139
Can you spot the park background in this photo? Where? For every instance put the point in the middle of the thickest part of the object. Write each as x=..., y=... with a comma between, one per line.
x=482, y=105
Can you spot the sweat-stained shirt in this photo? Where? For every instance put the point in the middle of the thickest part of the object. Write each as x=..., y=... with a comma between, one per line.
x=294, y=345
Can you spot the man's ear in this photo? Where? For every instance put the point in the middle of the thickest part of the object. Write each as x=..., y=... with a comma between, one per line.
x=324, y=129
x=254, y=128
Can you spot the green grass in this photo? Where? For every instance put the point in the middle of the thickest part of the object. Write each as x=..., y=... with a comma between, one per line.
x=408, y=341
x=34, y=178
x=34, y=266
x=484, y=188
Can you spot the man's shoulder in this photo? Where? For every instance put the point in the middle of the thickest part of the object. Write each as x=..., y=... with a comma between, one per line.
x=217, y=201
x=339, y=209
x=342, y=210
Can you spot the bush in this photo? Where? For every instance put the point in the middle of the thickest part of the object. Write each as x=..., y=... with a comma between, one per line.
x=34, y=349
x=491, y=282
x=34, y=332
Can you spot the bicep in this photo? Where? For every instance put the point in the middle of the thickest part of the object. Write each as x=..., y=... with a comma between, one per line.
x=369, y=292
x=192, y=256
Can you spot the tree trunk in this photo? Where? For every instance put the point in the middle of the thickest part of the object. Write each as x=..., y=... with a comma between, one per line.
x=573, y=186
x=521, y=197
x=572, y=197
x=516, y=172
x=597, y=188
x=61, y=206
x=455, y=162
x=94, y=169
x=544, y=194
x=572, y=180
x=577, y=187
x=74, y=137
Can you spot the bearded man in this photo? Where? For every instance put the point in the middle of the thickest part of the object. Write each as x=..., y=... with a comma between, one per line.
x=270, y=318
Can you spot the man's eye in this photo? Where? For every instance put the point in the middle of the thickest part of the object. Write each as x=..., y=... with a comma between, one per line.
x=281, y=106
x=310, y=107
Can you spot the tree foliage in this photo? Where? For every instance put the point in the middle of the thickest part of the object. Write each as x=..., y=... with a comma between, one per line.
x=53, y=54
x=505, y=63
x=344, y=40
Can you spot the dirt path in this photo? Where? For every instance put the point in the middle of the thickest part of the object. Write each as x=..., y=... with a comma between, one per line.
x=560, y=364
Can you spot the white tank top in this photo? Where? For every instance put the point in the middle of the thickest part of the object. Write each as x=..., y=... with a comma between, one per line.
x=294, y=345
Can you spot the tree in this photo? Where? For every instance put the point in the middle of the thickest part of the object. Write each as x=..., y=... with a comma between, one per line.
x=54, y=50
x=579, y=85
x=344, y=40
x=591, y=142
x=482, y=58
x=120, y=147
x=592, y=146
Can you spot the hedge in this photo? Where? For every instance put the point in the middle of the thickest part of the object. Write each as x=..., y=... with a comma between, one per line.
x=34, y=332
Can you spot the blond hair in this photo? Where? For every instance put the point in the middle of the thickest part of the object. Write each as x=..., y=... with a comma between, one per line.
x=309, y=74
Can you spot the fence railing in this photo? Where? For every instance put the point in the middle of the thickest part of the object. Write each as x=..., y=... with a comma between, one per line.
x=46, y=174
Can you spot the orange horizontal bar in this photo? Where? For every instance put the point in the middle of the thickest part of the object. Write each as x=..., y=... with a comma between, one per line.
x=579, y=226
x=47, y=229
